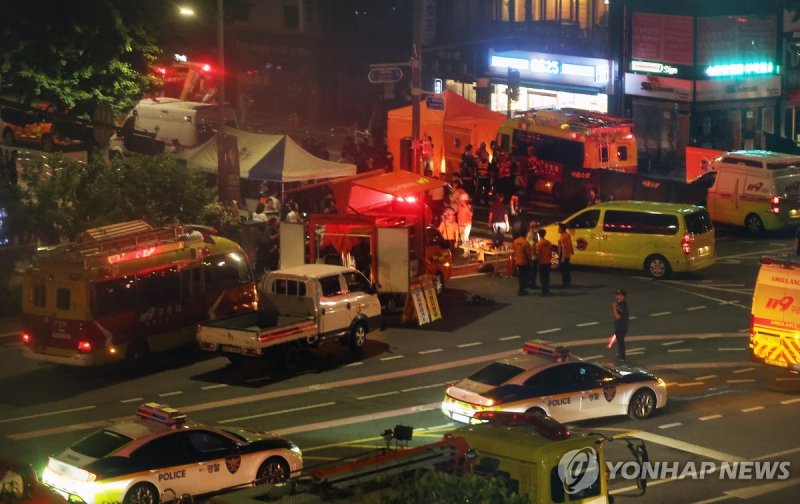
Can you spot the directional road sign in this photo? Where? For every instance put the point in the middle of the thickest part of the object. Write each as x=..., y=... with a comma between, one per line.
x=385, y=74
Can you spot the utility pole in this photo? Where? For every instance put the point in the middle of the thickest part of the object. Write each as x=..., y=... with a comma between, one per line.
x=228, y=185
x=416, y=84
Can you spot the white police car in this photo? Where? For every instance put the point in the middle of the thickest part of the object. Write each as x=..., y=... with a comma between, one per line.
x=159, y=456
x=546, y=380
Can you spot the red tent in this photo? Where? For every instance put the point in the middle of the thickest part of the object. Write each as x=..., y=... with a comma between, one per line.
x=459, y=123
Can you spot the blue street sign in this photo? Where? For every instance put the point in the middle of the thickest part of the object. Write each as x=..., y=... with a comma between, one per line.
x=385, y=74
x=434, y=102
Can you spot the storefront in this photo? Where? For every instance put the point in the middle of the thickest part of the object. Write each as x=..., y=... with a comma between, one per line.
x=700, y=81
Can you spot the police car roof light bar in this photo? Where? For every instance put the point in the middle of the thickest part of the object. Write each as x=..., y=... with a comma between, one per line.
x=544, y=425
x=161, y=413
x=541, y=347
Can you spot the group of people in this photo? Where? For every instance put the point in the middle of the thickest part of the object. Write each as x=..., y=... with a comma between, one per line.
x=456, y=222
x=485, y=175
x=533, y=253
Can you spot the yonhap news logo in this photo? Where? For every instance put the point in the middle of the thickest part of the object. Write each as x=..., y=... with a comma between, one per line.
x=580, y=469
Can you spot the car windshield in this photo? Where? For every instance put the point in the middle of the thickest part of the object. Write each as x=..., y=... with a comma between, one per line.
x=495, y=374
x=782, y=165
x=100, y=443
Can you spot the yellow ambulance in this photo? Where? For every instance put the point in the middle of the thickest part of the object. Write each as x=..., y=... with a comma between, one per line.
x=775, y=314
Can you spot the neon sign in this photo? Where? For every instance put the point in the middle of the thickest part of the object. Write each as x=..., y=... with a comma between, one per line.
x=652, y=67
x=735, y=69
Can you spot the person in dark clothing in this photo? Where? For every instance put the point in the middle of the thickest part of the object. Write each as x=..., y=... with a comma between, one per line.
x=265, y=247
x=621, y=317
x=544, y=256
x=498, y=220
x=468, y=169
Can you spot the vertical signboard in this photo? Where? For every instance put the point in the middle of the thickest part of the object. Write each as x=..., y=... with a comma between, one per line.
x=427, y=29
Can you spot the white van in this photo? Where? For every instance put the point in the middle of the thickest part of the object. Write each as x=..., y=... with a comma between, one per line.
x=156, y=123
x=757, y=189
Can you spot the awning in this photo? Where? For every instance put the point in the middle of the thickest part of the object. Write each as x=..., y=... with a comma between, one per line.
x=401, y=183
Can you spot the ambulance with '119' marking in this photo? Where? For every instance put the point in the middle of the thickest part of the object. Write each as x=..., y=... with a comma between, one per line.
x=775, y=315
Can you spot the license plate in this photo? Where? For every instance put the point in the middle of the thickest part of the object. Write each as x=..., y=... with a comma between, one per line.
x=231, y=349
x=458, y=417
x=60, y=335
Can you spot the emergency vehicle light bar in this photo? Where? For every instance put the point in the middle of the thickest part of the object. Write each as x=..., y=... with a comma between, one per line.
x=546, y=426
x=161, y=413
x=541, y=347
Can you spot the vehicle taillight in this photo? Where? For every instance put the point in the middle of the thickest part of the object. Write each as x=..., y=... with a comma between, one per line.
x=686, y=244
x=775, y=203
x=26, y=338
x=84, y=346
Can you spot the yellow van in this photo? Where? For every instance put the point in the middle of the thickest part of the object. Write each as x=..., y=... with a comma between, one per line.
x=757, y=189
x=659, y=238
x=775, y=315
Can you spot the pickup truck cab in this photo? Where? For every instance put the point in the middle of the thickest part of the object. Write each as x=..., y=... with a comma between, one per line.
x=299, y=308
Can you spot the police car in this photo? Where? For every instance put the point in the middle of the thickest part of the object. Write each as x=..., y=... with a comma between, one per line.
x=161, y=456
x=546, y=380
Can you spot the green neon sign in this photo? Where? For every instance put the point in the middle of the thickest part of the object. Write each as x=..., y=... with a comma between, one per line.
x=736, y=69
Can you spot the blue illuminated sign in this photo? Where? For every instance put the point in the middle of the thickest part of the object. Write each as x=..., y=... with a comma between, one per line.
x=736, y=69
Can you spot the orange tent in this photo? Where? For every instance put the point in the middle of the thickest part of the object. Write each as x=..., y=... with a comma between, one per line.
x=461, y=122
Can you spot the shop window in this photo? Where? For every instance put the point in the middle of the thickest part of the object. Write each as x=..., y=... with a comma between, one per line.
x=62, y=298
x=622, y=153
x=604, y=154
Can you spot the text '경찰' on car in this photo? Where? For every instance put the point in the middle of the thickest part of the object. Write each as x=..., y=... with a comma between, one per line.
x=135, y=462
x=547, y=380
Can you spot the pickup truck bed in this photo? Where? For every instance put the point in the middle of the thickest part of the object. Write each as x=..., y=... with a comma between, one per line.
x=251, y=333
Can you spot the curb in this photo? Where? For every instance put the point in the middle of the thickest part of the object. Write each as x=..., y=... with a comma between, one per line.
x=9, y=338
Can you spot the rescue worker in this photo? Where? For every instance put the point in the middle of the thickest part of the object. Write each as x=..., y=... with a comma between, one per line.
x=505, y=173
x=522, y=259
x=532, y=172
x=533, y=237
x=544, y=256
x=565, y=252
x=483, y=170
x=449, y=228
x=498, y=220
x=467, y=170
x=464, y=220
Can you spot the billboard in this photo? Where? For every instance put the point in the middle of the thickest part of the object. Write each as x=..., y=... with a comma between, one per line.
x=662, y=38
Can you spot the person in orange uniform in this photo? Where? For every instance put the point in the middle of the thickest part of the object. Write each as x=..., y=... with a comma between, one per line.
x=522, y=258
x=565, y=252
x=464, y=219
x=544, y=257
x=449, y=228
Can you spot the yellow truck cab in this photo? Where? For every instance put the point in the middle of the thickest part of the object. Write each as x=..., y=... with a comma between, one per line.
x=757, y=189
x=659, y=238
x=775, y=315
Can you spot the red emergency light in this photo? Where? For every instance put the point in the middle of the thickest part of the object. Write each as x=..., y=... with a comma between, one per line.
x=26, y=338
x=206, y=67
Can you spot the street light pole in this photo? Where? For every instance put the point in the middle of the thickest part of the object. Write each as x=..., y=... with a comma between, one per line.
x=222, y=171
x=416, y=86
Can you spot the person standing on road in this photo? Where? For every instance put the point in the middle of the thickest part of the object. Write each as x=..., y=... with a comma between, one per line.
x=522, y=259
x=498, y=220
x=565, y=252
x=544, y=256
x=621, y=317
x=464, y=219
x=449, y=229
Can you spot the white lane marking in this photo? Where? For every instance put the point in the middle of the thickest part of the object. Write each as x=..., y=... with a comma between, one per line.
x=745, y=329
x=593, y=357
x=506, y=338
x=743, y=370
x=787, y=379
x=661, y=314
x=709, y=417
x=748, y=380
x=211, y=387
x=169, y=394
x=423, y=387
x=706, y=377
x=273, y=413
x=49, y=413
x=354, y=364
x=133, y=399
x=791, y=401
x=637, y=349
x=731, y=349
x=691, y=384
x=751, y=492
x=670, y=343
x=434, y=350
x=465, y=345
x=728, y=285
x=698, y=307
x=777, y=454
x=632, y=317
x=545, y=331
x=260, y=378
x=641, y=352
x=671, y=285
x=676, y=350
x=382, y=394
x=393, y=357
x=686, y=447
x=750, y=410
x=670, y=425
x=587, y=324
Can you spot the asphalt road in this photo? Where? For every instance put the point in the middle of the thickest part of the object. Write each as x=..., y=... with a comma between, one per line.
x=691, y=330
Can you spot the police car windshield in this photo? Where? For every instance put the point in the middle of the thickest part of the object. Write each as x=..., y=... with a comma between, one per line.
x=495, y=374
x=782, y=166
x=100, y=443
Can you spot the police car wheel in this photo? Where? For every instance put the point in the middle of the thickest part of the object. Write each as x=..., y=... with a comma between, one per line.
x=754, y=224
x=358, y=336
x=657, y=267
x=143, y=493
x=273, y=470
x=642, y=404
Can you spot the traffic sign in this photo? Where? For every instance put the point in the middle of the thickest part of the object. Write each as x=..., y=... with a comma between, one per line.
x=385, y=74
x=434, y=102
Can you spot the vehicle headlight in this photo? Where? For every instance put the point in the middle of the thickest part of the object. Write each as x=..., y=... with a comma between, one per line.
x=296, y=449
x=661, y=383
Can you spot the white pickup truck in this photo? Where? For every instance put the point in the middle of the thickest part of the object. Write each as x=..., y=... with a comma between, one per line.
x=299, y=308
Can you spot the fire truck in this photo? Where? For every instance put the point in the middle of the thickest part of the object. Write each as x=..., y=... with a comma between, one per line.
x=532, y=455
x=576, y=151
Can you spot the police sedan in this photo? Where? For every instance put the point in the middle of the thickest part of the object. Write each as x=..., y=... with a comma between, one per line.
x=160, y=455
x=547, y=380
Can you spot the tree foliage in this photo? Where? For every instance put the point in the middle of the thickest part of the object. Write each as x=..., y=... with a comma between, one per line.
x=58, y=201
